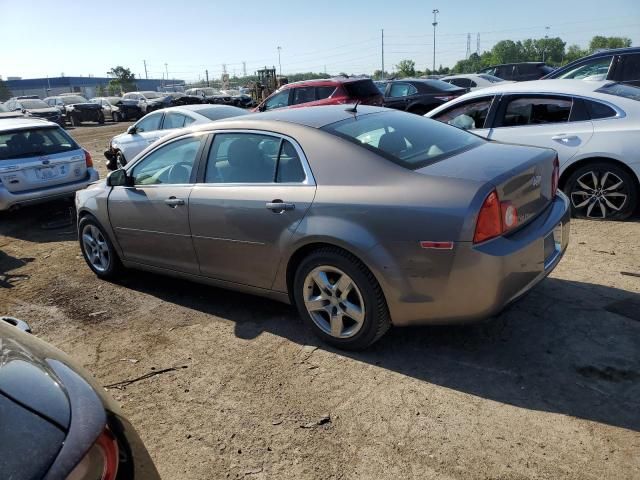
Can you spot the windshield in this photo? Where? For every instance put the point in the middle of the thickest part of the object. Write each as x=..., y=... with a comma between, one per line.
x=411, y=141
x=621, y=90
x=33, y=104
x=153, y=95
x=361, y=89
x=491, y=78
x=218, y=113
x=593, y=70
x=73, y=99
x=33, y=143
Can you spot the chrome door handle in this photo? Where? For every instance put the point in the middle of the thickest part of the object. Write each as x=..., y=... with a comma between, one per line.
x=278, y=206
x=563, y=138
x=173, y=202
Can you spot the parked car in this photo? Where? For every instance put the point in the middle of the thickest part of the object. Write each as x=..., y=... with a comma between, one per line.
x=473, y=81
x=211, y=95
x=519, y=72
x=39, y=161
x=76, y=109
x=6, y=113
x=53, y=409
x=332, y=91
x=146, y=101
x=113, y=108
x=34, y=107
x=177, y=99
x=239, y=99
x=619, y=64
x=419, y=95
x=594, y=127
x=124, y=147
x=362, y=216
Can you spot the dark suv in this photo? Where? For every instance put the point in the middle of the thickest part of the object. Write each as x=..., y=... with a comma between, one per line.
x=76, y=109
x=619, y=64
x=419, y=95
x=519, y=72
x=330, y=91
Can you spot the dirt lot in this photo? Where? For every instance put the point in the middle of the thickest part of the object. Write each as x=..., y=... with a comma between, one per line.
x=549, y=389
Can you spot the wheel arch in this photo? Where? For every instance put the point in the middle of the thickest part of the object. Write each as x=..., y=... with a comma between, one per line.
x=586, y=161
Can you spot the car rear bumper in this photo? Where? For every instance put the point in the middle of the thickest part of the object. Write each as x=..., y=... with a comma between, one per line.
x=13, y=199
x=478, y=281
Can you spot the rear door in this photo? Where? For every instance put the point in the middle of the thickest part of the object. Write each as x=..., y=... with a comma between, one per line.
x=398, y=95
x=151, y=218
x=39, y=158
x=254, y=192
x=544, y=121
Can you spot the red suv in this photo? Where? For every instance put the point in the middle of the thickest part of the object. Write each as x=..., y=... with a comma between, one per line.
x=330, y=91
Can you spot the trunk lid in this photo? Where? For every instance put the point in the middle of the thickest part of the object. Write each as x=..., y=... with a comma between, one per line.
x=521, y=175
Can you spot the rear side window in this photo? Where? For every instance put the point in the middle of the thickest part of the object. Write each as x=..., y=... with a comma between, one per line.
x=361, y=89
x=303, y=95
x=324, y=92
x=630, y=68
x=536, y=111
x=599, y=110
x=36, y=142
x=461, y=82
x=402, y=90
x=411, y=141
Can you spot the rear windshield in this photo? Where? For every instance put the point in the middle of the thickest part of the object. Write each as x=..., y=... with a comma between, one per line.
x=33, y=104
x=32, y=143
x=361, y=89
x=621, y=90
x=73, y=99
x=439, y=85
x=218, y=113
x=153, y=95
x=411, y=141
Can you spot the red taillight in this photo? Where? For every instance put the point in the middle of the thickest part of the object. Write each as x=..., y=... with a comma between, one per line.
x=489, y=224
x=555, y=177
x=495, y=218
x=87, y=158
x=100, y=462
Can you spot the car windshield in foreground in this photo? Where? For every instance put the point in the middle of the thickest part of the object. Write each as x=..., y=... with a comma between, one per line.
x=73, y=99
x=411, y=141
x=33, y=104
x=153, y=95
x=491, y=78
x=621, y=90
x=218, y=113
x=33, y=143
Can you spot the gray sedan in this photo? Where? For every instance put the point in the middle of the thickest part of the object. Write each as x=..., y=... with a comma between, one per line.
x=362, y=217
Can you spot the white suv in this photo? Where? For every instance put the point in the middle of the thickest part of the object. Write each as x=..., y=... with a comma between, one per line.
x=39, y=161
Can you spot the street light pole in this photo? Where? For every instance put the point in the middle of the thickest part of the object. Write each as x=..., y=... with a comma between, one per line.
x=435, y=24
x=546, y=37
x=279, y=63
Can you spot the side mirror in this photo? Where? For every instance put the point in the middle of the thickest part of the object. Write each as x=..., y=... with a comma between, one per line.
x=119, y=178
x=132, y=130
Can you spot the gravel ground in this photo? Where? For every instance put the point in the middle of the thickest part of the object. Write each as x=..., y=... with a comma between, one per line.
x=548, y=389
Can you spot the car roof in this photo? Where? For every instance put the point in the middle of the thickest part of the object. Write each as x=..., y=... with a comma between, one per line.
x=609, y=51
x=514, y=63
x=24, y=123
x=197, y=107
x=324, y=81
x=565, y=86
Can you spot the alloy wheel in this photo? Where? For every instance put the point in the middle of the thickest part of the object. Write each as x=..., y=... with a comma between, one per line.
x=95, y=248
x=599, y=194
x=334, y=301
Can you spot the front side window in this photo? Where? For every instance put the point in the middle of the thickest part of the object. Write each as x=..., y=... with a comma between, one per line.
x=467, y=116
x=411, y=141
x=505, y=71
x=149, y=123
x=324, y=92
x=595, y=69
x=279, y=100
x=169, y=165
x=242, y=158
x=173, y=120
x=303, y=95
x=536, y=111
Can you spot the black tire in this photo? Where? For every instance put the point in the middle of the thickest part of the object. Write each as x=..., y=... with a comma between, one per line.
x=101, y=118
x=120, y=160
x=75, y=121
x=114, y=266
x=617, y=203
x=115, y=117
x=376, y=316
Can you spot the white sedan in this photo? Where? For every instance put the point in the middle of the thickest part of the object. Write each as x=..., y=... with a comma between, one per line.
x=474, y=81
x=593, y=126
x=155, y=125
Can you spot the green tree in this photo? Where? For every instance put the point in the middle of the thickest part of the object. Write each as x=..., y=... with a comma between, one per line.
x=506, y=51
x=377, y=75
x=574, y=52
x=406, y=68
x=598, y=42
x=5, y=93
x=124, y=79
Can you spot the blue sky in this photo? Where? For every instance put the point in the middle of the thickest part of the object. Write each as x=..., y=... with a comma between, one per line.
x=339, y=35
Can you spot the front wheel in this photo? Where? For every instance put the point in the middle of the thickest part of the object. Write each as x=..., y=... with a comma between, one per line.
x=120, y=160
x=601, y=191
x=340, y=299
x=75, y=121
x=97, y=249
x=115, y=116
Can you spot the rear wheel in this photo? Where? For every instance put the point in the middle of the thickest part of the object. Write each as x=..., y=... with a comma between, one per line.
x=75, y=121
x=97, y=249
x=115, y=116
x=340, y=299
x=602, y=191
x=101, y=118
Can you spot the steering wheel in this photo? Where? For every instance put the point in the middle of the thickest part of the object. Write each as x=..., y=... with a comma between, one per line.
x=180, y=171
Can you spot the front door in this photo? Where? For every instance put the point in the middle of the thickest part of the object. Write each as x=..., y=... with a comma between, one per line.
x=151, y=218
x=542, y=121
x=397, y=95
x=255, y=191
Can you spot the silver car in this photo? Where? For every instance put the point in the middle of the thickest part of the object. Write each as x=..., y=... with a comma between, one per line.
x=362, y=217
x=124, y=147
x=39, y=161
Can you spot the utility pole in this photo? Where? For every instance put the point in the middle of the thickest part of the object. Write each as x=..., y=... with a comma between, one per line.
x=382, y=31
x=146, y=75
x=224, y=68
x=478, y=44
x=206, y=72
x=546, y=37
x=167, y=70
x=279, y=62
x=435, y=24
x=244, y=69
x=468, y=46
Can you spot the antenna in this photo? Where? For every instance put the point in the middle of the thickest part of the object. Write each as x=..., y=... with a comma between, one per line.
x=353, y=109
